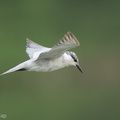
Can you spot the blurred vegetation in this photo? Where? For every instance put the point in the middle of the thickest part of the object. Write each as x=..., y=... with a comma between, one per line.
x=65, y=94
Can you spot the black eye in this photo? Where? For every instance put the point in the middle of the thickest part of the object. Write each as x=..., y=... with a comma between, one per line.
x=75, y=60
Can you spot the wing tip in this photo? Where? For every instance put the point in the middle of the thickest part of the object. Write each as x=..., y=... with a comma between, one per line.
x=29, y=42
x=70, y=35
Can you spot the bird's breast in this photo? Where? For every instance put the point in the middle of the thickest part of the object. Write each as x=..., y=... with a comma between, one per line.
x=47, y=65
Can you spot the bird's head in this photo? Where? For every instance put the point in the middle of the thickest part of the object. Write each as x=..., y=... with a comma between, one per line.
x=73, y=60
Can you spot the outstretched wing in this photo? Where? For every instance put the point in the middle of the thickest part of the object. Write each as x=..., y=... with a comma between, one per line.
x=33, y=47
x=67, y=42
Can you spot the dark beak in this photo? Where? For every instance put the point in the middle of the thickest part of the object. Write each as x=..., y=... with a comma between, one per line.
x=79, y=68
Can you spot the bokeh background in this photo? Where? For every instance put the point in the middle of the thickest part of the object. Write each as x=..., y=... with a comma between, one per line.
x=64, y=94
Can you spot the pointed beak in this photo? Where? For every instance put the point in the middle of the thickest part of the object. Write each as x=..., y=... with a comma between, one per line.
x=79, y=68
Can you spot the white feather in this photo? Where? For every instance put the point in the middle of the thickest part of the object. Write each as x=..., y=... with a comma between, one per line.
x=33, y=47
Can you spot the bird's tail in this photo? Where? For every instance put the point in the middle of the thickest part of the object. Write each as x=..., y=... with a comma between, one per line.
x=20, y=67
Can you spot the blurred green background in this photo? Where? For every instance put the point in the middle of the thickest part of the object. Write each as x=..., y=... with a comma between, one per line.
x=65, y=94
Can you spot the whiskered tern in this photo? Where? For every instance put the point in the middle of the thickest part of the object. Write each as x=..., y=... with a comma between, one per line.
x=46, y=59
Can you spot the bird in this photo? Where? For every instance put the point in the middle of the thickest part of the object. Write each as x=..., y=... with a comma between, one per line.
x=44, y=59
